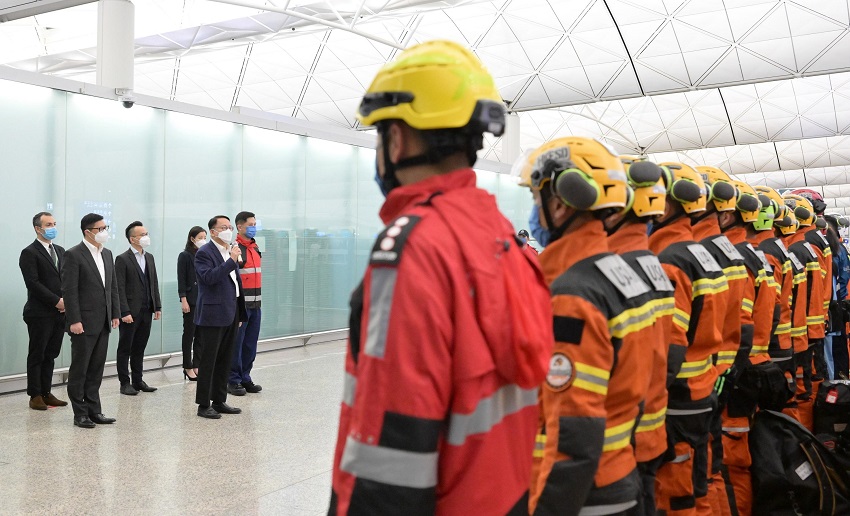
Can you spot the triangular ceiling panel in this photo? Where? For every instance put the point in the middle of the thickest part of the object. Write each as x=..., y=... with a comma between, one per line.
x=699, y=62
x=536, y=50
x=755, y=67
x=835, y=58
x=728, y=70
x=743, y=19
x=535, y=94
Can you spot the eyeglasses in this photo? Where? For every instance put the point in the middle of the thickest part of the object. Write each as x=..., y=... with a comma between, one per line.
x=224, y=228
x=99, y=230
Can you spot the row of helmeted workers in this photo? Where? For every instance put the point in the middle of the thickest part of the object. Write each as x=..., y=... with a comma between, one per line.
x=615, y=373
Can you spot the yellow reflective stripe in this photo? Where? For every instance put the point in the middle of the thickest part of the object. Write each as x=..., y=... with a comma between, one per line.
x=735, y=272
x=681, y=319
x=812, y=266
x=705, y=286
x=747, y=305
x=618, y=437
x=815, y=319
x=786, y=267
x=666, y=306
x=772, y=282
x=798, y=331
x=539, y=446
x=823, y=273
x=591, y=378
x=782, y=328
x=826, y=305
x=649, y=422
x=799, y=278
x=635, y=319
x=693, y=369
x=758, y=349
x=726, y=357
x=826, y=251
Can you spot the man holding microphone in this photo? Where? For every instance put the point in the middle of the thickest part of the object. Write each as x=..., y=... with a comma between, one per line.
x=219, y=312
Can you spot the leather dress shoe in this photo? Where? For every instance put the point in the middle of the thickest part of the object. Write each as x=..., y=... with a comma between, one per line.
x=37, y=403
x=224, y=408
x=128, y=389
x=208, y=412
x=83, y=422
x=142, y=386
x=52, y=401
x=100, y=419
x=235, y=389
x=252, y=387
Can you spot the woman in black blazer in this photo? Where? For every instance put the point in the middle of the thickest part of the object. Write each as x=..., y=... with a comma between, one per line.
x=187, y=289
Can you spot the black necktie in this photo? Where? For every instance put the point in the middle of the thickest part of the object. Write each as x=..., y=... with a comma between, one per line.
x=53, y=256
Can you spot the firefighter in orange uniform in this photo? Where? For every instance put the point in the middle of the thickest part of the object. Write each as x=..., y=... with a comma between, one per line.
x=760, y=383
x=696, y=337
x=444, y=363
x=627, y=236
x=598, y=374
x=809, y=255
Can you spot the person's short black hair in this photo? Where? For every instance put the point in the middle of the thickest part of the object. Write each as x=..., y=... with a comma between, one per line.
x=134, y=224
x=213, y=221
x=523, y=233
x=243, y=217
x=36, y=220
x=87, y=221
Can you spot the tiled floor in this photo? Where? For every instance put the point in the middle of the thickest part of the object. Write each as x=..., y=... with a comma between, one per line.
x=160, y=458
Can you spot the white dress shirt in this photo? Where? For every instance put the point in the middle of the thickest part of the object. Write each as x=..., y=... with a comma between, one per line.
x=98, y=259
x=225, y=254
x=140, y=258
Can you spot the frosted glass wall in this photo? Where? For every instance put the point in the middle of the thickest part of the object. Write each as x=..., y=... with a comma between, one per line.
x=316, y=203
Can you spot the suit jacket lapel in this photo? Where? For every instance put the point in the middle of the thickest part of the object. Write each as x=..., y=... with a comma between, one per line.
x=90, y=260
x=45, y=254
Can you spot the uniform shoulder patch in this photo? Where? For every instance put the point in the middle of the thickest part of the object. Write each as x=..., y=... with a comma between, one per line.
x=767, y=267
x=390, y=243
x=561, y=372
x=727, y=248
x=796, y=261
x=706, y=261
x=622, y=276
x=655, y=272
x=811, y=250
x=784, y=249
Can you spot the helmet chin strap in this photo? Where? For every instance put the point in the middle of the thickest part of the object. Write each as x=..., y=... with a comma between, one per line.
x=658, y=225
x=555, y=232
x=389, y=181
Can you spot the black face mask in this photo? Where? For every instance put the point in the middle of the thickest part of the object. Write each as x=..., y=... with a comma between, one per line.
x=389, y=181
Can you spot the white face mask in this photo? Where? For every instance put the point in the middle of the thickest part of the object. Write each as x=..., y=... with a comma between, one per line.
x=226, y=236
x=200, y=243
x=145, y=241
x=101, y=237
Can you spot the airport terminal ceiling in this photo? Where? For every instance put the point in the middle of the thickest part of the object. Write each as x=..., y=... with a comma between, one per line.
x=760, y=88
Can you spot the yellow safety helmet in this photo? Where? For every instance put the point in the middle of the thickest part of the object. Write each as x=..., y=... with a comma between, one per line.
x=721, y=190
x=648, y=194
x=435, y=85
x=772, y=209
x=747, y=201
x=584, y=173
x=793, y=223
x=685, y=185
x=522, y=168
x=802, y=207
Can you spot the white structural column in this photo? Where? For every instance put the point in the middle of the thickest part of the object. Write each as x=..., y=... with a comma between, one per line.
x=510, y=140
x=115, y=43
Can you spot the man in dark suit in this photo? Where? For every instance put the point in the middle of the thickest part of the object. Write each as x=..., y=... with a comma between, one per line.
x=91, y=312
x=44, y=312
x=218, y=314
x=138, y=290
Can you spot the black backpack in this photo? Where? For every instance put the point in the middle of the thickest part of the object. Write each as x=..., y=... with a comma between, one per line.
x=792, y=472
x=832, y=407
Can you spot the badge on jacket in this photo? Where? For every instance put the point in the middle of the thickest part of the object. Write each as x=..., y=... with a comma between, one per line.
x=561, y=372
x=389, y=244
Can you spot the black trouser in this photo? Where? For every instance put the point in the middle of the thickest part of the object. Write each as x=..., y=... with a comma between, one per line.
x=189, y=338
x=816, y=348
x=132, y=341
x=46, y=335
x=803, y=360
x=648, y=470
x=88, y=355
x=217, y=343
x=840, y=358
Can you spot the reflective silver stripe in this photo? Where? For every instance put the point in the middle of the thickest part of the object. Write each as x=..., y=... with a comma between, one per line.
x=489, y=412
x=581, y=375
x=250, y=270
x=349, y=387
x=249, y=299
x=602, y=510
x=644, y=422
x=686, y=412
x=740, y=429
x=681, y=458
x=780, y=359
x=380, y=305
x=389, y=466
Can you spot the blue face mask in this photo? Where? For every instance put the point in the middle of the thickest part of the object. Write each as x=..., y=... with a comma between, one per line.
x=50, y=233
x=523, y=240
x=537, y=231
x=251, y=231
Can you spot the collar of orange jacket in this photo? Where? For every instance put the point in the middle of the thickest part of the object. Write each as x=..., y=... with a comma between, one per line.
x=630, y=237
x=707, y=227
x=580, y=243
x=677, y=231
x=736, y=235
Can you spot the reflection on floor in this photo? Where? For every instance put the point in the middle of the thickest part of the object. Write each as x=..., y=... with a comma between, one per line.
x=160, y=458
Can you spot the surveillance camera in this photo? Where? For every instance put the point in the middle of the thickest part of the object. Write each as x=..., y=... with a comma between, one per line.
x=126, y=97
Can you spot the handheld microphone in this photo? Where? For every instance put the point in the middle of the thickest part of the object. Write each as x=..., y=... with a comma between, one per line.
x=238, y=258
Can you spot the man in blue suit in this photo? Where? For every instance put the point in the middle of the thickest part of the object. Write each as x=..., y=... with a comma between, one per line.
x=219, y=312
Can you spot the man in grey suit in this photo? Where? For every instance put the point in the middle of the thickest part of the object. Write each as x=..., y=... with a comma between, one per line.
x=138, y=290
x=92, y=310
